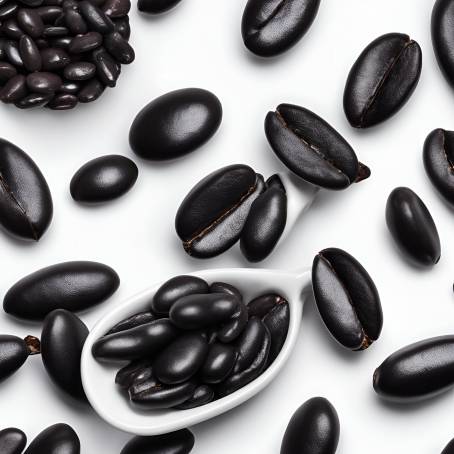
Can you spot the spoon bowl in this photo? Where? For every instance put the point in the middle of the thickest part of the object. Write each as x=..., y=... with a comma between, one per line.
x=99, y=378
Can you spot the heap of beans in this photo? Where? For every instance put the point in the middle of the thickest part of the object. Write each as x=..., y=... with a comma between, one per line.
x=196, y=343
x=57, y=53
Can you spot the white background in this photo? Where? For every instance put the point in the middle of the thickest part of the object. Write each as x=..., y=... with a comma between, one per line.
x=199, y=44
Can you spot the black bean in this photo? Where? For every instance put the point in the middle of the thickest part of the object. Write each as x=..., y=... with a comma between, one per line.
x=30, y=22
x=8, y=10
x=13, y=353
x=63, y=101
x=74, y=286
x=449, y=449
x=12, y=53
x=135, y=343
x=62, y=340
x=116, y=8
x=81, y=70
x=75, y=22
x=249, y=343
x=70, y=4
x=31, y=3
x=26, y=204
x=14, y=90
x=103, y=179
x=174, y=289
x=211, y=217
x=61, y=43
x=313, y=428
x=59, y=438
x=413, y=227
x=274, y=181
x=347, y=299
x=218, y=364
x=382, y=79
x=2, y=50
x=108, y=70
x=12, y=441
x=96, y=19
x=270, y=27
x=119, y=48
x=263, y=304
x=7, y=71
x=134, y=320
x=49, y=13
x=41, y=43
x=55, y=32
x=54, y=59
x=85, y=43
x=312, y=149
x=277, y=322
x=30, y=54
x=53, y=2
x=417, y=371
x=43, y=82
x=223, y=287
x=180, y=442
x=181, y=360
x=202, y=311
x=234, y=327
x=11, y=29
x=175, y=124
x=122, y=27
x=91, y=91
x=202, y=395
x=134, y=372
x=157, y=6
x=34, y=100
x=70, y=87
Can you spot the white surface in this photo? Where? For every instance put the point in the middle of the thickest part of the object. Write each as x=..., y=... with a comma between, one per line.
x=199, y=44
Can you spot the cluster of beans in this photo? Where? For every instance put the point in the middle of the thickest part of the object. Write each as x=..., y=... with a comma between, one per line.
x=195, y=343
x=57, y=53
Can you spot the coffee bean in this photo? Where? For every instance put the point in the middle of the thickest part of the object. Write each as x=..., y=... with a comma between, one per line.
x=103, y=179
x=174, y=289
x=7, y=71
x=34, y=100
x=62, y=340
x=313, y=149
x=30, y=54
x=250, y=343
x=313, y=428
x=107, y=69
x=30, y=22
x=11, y=29
x=135, y=343
x=116, y=8
x=438, y=158
x=14, y=90
x=181, y=360
x=202, y=395
x=449, y=449
x=135, y=372
x=382, y=79
x=25, y=201
x=74, y=286
x=81, y=70
x=234, y=327
x=13, y=353
x=156, y=6
x=75, y=22
x=91, y=91
x=119, y=48
x=347, y=299
x=95, y=18
x=12, y=441
x=212, y=216
x=43, y=82
x=202, y=311
x=218, y=364
x=175, y=124
x=85, y=43
x=180, y=442
x=262, y=305
x=413, y=227
x=56, y=439
x=270, y=27
x=12, y=53
x=417, y=371
x=49, y=13
x=277, y=322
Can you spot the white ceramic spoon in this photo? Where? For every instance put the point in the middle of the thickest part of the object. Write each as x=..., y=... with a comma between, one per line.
x=112, y=405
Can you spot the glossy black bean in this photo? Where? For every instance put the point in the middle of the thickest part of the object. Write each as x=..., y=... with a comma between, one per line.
x=91, y=91
x=49, y=13
x=263, y=304
x=264, y=225
x=107, y=69
x=116, y=8
x=122, y=26
x=56, y=439
x=413, y=227
x=75, y=22
x=8, y=10
x=152, y=395
x=31, y=3
x=7, y=71
x=30, y=54
x=30, y=22
x=181, y=360
x=134, y=320
x=135, y=343
x=53, y=2
x=180, y=442
x=55, y=32
x=103, y=179
x=119, y=48
x=2, y=50
x=13, y=353
x=382, y=79
x=61, y=42
x=270, y=27
x=14, y=90
x=234, y=327
x=81, y=70
x=85, y=43
x=211, y=217
x=12, y=441
x=175, y=124
x=249, y=343
x=70, y=87
x=25, y=201
x=438, y=159
x=63, y=101
x=312, y=149
x=54, y=59
x=96, y=19
x=449, y=449
x=202, y=311
x=12, y=53
x=134, y=372
x=277, y=322
x=347, y=299
x=202, y=395
x=243, y=377
x=174, y=289
x=156, y=6
x=41, y=43
x=223, y=287
x=314, y=428
x=417, y=371
x=218, y=364
x=10, y=28
x=62, y=340
x=43, y=82
x=34, y=100
x=74, y=286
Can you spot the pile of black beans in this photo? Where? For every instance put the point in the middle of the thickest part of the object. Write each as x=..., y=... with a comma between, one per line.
x=57, y=53
x=195, y=343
